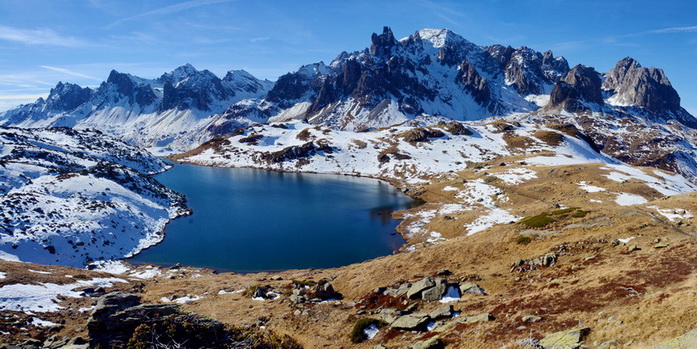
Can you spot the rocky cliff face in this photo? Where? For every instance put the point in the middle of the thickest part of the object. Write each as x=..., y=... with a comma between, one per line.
x=631, y=84
x=578, y=91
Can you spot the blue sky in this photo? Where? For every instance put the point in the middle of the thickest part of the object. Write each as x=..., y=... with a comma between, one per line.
x=43, y=42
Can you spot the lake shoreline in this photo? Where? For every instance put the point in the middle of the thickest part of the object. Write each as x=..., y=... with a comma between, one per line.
x=376, y=213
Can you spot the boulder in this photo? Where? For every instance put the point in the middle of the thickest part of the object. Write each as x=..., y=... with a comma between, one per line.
x=411, y=322
x=431, y=343
x=434, y=293
x=120, y=320
x=421, y=285
x=531, y=318
x=464, y=320
x=471, y=287
x=568, y=339
x=442, y=312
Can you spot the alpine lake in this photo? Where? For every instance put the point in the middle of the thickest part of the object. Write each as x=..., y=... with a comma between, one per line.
x=247, y=220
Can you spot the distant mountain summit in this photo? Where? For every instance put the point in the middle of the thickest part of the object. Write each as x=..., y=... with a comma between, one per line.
x=431, y=73
x=142, y=111
x=435, y=72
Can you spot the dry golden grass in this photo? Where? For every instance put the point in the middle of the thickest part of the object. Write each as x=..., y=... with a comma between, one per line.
x=636, y=298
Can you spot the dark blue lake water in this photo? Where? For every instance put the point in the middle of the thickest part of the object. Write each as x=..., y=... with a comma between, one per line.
x=253, y=220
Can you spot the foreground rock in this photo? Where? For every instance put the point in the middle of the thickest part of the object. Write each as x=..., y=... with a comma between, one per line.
x=120, y=320
x=568, y=339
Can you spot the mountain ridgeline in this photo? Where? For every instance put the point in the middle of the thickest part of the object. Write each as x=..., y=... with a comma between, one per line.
x=433, y=72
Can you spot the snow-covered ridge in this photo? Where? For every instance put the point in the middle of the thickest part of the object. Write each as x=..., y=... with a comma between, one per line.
x=157, y=112
x=73, y=197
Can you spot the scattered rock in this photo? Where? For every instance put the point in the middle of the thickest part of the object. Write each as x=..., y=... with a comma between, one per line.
x=471, y=287
x=661, y=245
x=434, y=293
x=632, y=248
x=531, y=318
x=421, y=285
x=431, y=343
x=411, y=322
x=442, y=312
x=568, y=339
x=464, y=320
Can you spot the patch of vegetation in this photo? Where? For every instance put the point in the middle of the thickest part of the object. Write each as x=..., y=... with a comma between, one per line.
x=502, y=126
x=195, y=331
x=523, y=240
x=538, y=221
x=545, y=218
x=304, y=135
x=569, y=129
x=249, y=291
x=251, y=139
x=457, y=128
x=359, y=143
x=357, y=333
x=562, y=211
x=489, y=179
x=580, y=214
x=550, y=137
x=519, y=142
x=304, y=283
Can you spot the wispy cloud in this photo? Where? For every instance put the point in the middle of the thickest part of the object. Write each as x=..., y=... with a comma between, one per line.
x=38, y=37
x=70, y=72
x=182, y=6
x=446, y=13
x=263, y=38
x=689, y=29
x=617, y=39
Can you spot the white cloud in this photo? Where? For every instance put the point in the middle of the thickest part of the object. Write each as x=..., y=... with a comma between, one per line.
x=264, y=38
x=70, y=72
x=38, y=37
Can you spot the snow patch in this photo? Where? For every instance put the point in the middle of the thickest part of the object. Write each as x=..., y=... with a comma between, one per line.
x=627, y=199
x=371, y=331
x=517, y=176
x=452, y=294
x=673, y=214
x=590, y=188
x=44, y=296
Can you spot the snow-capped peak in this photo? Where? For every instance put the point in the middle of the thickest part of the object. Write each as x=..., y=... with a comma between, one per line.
x=440, y=37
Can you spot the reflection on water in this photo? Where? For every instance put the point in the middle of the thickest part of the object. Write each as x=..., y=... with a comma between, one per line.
x=252, y=220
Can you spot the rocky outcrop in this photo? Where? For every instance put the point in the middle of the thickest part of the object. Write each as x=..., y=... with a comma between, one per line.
x=474, y=83
x=381, y=44
x=631, y=84
x=296, y=152
x=578, y=92
x=67, y=96
x=303, y=292
x=529, y=71
x=120, y=320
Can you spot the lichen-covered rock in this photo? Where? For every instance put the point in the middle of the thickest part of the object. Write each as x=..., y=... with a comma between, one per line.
x=421, y=285
x=431, y=343
x=411, y=322
x=567, y=339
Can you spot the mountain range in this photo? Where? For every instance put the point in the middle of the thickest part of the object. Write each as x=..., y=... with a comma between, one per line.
x=433, y=73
